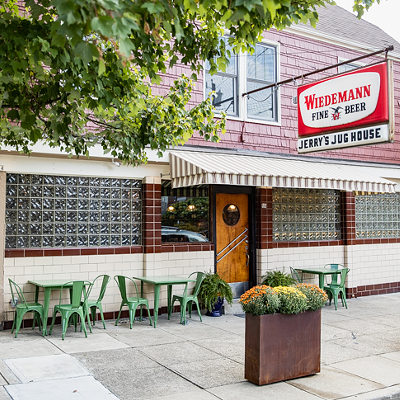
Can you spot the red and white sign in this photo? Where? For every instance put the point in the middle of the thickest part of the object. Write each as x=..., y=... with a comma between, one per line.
x=358, y=98
x=345, y=103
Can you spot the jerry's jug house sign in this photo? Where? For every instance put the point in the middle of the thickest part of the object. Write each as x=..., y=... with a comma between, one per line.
x=352, y=109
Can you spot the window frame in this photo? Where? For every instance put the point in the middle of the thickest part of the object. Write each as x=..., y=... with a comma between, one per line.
x=242, y=88
x=356, y=65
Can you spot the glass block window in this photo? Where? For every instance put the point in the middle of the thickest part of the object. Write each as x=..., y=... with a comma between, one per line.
x=46, y=211
x=306, y=214
x=377, y=215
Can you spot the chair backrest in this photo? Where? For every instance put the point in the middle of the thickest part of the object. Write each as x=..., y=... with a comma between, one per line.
x=343, y=274
x=295, y=275
x=16, y=291
x=334, y=266
x=199, y=278
x=79, y=292
x=104, y=283
x=121, y=282
x=334, y=276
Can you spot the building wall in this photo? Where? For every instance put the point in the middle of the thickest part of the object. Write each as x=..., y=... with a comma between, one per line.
x=374, y=266
x=22, y=269
x=299, y=55
x=374, y=269
x=300, y=257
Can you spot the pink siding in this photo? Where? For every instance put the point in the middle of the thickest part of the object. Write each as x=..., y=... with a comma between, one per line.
x=298, y=55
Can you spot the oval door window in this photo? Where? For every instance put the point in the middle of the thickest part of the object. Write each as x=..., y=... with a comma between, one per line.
x=231, y=214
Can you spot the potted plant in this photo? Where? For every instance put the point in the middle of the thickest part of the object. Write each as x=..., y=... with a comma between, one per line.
x=277, y=278
x=213, y=291
x=283, y=332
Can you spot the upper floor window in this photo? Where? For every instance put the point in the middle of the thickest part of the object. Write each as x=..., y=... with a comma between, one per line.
x=243, y=74
x=348, y=67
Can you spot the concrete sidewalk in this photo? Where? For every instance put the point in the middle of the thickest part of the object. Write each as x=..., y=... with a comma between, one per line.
x=360, y=359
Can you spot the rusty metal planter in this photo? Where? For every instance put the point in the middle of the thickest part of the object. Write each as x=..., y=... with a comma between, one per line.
x=280, y=347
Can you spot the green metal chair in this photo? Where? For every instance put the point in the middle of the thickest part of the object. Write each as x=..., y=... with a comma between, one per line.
x=131, y=302
x=93, y=305
x=188, y=300
x=334, y=277
x=295, y=275
x=334, y=289
x=22, y=307
x=77, y=307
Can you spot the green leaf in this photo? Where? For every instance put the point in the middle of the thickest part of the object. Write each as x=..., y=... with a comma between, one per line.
x=87, y=51
x=153, y=8
x=102, y=67
x=104, y=25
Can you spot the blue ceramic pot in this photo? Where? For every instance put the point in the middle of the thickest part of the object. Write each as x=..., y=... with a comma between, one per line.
x=216, y=311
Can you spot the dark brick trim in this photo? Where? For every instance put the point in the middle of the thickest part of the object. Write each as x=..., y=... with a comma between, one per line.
x=372, y=290
x=184, y=247
x=16, y=253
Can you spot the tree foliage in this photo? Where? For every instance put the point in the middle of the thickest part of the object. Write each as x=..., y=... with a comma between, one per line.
x=76, y=73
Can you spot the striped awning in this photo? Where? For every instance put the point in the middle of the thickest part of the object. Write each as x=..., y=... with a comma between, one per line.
x=190, y=168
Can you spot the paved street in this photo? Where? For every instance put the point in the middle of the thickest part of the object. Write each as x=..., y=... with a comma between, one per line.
x=202, y=361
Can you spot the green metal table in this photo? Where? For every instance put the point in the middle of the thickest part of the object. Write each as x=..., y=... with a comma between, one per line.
x=321, y=272
x=158, y=281
x=47, y=285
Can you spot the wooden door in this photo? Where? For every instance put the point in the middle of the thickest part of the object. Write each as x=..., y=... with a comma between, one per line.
x=232, y=236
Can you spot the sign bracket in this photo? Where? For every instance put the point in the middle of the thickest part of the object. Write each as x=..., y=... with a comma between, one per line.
x=385, y=50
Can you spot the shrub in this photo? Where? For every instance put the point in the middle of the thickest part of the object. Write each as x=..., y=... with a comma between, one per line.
x=277, y=278
x=293, y=301
x=260, y=300
x=316, y=297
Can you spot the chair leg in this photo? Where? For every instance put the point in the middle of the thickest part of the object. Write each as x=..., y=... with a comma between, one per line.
x=148, y=314
x=343, y=297
x=18, y=322
x=170, y=310
x=83, y=320
x=335, y=299
x=101, y=315
x=329, y=296
x=198, y=309
x=52, y=322
x=119, y=314
x=13, y=325
x=34, y=320
x=88, y=318
x=132, y=311
x=183, y=312
x=84, y=323
x=64, y=325
x=86, y=313
x=93, y=313
x=190, y=303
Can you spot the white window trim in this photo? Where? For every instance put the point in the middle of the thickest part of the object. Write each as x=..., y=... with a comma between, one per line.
x=342, y=59
x=242, y=82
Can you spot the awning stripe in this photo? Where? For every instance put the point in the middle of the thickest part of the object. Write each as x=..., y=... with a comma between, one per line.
x=193, y=168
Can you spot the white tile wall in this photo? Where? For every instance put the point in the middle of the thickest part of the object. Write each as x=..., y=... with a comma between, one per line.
x=88, y=267
x=369, y=264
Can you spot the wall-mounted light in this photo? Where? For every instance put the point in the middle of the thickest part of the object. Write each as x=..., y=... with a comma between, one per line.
x=171, y=208
x=191, y=207
x=116, y=163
